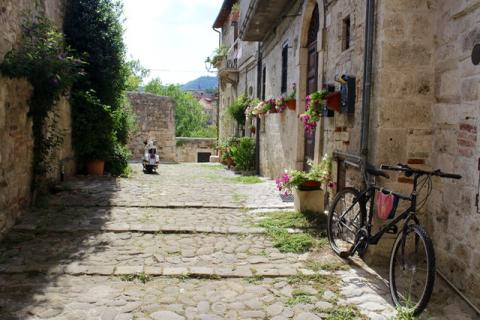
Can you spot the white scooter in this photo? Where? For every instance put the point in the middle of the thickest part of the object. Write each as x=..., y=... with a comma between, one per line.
x=151, y=159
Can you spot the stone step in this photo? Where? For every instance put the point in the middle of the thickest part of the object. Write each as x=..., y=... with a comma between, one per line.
x=119, y=219
x=21, y=250
x=243, y=271
x=96, y=297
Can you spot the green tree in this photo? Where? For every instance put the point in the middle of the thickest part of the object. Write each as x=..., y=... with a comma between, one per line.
x=136, y=74
x=190, y=118
x=101, y=116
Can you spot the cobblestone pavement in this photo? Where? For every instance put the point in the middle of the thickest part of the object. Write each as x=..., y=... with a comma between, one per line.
x=177, y=245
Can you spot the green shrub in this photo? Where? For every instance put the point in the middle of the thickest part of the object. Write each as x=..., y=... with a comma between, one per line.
x=244, y=154
x=118, y=162
x=102, y=119
x=237, y=109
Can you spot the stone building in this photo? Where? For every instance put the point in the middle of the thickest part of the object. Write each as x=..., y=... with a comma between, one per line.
x=419, y=105
x=16, y=148
x=155, y=120
x=237, y=72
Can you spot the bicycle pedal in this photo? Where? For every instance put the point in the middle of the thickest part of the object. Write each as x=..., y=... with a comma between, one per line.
x=392, y=230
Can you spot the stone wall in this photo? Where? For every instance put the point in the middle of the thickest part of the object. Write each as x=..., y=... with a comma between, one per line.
x=155, y=120
x=424, y=109
x=453, y=213
x=188, y=148
x=16, y=149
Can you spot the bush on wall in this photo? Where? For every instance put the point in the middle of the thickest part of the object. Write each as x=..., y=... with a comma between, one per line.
x=44, y=59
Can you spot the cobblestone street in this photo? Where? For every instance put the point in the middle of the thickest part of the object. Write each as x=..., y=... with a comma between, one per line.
x=180, y=244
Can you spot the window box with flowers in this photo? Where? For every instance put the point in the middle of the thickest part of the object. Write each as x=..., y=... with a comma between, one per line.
x=308, y=188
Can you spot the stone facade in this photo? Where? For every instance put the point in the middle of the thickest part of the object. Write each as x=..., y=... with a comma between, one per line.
x=237, y=72
x=155, y=119
x=188, y=149
x=16, y=150
x=424, y=104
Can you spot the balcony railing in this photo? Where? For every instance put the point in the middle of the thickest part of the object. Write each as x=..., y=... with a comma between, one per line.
x=228, y=67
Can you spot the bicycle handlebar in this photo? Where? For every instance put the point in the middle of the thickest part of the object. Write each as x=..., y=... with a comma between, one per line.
x=409, y=170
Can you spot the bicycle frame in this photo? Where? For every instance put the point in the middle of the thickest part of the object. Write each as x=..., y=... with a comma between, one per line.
x=369, y=194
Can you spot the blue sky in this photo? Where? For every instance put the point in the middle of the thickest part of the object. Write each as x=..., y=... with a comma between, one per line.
x=171, y=37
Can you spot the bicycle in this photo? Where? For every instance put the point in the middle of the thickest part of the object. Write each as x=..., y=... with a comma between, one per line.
x=412, y=259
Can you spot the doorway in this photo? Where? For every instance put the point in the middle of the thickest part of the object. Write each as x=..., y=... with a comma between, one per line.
x=312, y=82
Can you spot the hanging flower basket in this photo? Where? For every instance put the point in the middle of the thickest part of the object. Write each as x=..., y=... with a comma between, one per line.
x=333, y=101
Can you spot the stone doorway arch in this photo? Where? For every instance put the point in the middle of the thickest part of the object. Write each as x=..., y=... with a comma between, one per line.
x=310, y=47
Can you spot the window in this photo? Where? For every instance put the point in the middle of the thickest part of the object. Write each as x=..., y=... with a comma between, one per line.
x=284, y=67
x=346, y=33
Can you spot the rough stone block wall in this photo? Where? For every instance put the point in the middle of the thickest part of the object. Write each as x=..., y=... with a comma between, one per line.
x=155, y=120
x=453, y=214
x=16, y=149
x=188, y=148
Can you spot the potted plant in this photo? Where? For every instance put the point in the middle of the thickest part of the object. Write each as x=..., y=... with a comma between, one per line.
x=309, y=187
x=313, y=110
x=219, y=54
x=235, y=13
x=332, y=101
x=291, y=100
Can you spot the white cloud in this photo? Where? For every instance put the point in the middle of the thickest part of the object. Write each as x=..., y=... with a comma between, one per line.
x=172, y=36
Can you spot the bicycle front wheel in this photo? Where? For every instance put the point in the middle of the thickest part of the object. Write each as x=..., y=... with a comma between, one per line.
x=412, y=269
x=345, y=218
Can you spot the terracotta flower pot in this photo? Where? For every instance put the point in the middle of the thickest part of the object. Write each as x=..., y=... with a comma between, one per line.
x=95, y=167
x=333, y=101
x=310, y=185
x=292, y=104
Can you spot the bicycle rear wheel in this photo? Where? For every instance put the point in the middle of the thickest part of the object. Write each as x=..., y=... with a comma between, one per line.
x=412, y=269
x=345, y=218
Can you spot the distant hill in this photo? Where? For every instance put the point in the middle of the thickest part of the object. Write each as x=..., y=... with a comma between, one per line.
x=202, y=83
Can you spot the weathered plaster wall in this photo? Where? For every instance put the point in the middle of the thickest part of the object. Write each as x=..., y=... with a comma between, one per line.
x=15, y=127
x=155, y=118
x=278, y=132
x=188, y=148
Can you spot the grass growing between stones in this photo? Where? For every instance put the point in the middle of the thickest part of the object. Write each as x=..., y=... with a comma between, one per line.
x=142, y=277
x=344, y=313
x=256, y=279
x=238, y=197
x=404, y=314
x=299, y=296
x=290, y=242
x=277, y=224
x=326, y=266
x=247, y=180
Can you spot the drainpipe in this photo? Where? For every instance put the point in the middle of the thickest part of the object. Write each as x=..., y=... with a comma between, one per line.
x=367, y=79
x=218, y=88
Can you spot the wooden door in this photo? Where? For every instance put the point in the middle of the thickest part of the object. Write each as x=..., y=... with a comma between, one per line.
x=312, y=82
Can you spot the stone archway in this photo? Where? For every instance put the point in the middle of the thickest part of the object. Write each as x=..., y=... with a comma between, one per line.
x=309, y=9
